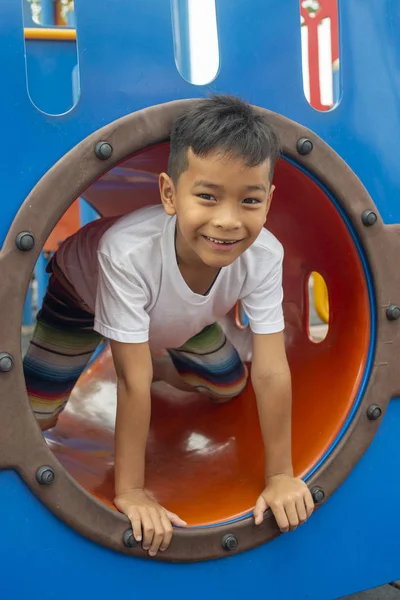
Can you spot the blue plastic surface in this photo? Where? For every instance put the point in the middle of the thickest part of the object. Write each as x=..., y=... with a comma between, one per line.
x=352, y=543
x=47, y=12
x=28, y=316
x=126, y=62
x=50, y=67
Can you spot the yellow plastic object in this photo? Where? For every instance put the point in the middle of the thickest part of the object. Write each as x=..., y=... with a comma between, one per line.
x=321, y=300
x=49, y=33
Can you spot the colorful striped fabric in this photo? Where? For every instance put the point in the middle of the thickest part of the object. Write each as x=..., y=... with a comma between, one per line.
x=62, y=344
x=210, y=364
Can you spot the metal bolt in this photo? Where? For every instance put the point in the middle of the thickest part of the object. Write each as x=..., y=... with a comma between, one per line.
x=129, y=539
x=369, y=218
x=6, y=362
x=374, y=412
x=229, y=542
x=103, y=150
x=25, y=241
x=393, y=312
x=304, y=146
x=45, y=475
x=318, y=494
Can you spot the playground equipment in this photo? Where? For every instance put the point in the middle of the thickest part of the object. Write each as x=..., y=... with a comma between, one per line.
x=51, y=56
x=335, y=214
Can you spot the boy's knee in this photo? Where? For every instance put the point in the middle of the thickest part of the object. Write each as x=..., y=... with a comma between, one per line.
x=227, y=396
x=46, y=424
x=224, y=399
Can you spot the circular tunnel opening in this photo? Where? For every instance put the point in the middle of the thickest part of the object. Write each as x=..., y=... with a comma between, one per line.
x=206, y=461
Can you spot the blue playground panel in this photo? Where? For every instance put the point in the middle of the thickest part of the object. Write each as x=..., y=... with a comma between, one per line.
x=50, y=67
x=126, y=62
x=53, y=86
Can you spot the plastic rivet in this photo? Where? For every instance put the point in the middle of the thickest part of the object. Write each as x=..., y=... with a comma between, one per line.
x=374, y=412
x=304, y=146
x=393, y=312
x=318, y=494
x=45, y=475
x=129, y=539
x=6, y=362
x=103, y=150
x=369, y=218
x=25, y=241
x=229, y=542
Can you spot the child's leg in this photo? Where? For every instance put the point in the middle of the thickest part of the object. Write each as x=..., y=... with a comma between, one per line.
x=208, y=363
x=164, y=370
x=62, y=345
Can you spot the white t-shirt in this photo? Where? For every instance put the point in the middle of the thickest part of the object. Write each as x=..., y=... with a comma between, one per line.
x=137, y=293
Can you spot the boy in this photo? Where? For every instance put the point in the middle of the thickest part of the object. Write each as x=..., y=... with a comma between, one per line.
x=161, y=278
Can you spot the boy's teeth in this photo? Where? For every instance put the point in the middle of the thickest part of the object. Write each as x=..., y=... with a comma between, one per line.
x=220, y=241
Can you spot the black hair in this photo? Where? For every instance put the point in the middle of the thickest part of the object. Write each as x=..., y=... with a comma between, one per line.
x=223, y=123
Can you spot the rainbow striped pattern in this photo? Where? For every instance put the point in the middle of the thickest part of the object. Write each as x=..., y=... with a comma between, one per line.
x=62, y=344
x=209, y=363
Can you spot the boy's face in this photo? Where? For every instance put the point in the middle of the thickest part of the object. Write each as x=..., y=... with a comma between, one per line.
x=221, y=206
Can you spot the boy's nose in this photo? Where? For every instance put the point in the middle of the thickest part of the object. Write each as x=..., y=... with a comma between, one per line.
x=227, y=219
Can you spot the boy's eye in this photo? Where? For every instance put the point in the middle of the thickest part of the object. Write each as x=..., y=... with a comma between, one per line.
x=206, y=196
x=251, y=201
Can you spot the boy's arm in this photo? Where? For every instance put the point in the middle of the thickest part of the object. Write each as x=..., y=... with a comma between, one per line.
x=134, y=370
x=288, y=497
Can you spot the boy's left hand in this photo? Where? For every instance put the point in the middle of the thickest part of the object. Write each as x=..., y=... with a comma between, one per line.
x=289, y=499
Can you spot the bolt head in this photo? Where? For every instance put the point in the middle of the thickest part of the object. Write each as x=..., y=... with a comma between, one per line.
x=229, y=542
x=369, y=218
x=374, y=412
x=103, y=150
x=318, y=494
x=129, y=539
x=25, y=241
x=6, y=362
x=304, y=146
x=393, y=312
x=45, y=475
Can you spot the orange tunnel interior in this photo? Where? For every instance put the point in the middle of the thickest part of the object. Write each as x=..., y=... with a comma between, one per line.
x=205, y=461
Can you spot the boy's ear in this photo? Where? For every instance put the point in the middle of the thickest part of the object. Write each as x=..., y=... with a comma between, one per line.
x=269, y=201
x=167, y=193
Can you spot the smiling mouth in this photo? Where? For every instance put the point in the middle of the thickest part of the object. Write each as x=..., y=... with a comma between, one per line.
x=222, y=242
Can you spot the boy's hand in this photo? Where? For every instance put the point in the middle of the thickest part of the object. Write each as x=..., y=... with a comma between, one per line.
x=289, y=499
x=146, y=514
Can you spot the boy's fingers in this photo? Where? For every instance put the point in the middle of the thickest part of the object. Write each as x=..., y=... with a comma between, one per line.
x=175, y=520
x=158, y=532
x=136, y=522
x=166, y=523
x=148, y=528
x=281, y=517
x=309, y=502
x=301, y=510
x=290, y=509
x=259, y=510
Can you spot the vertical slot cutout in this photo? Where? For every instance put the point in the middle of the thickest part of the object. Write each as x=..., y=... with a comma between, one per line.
x=51, y=58
x=196, y=47
x=318, y=307
x=320, y=52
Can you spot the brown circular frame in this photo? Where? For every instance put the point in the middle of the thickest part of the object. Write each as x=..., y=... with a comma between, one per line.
x=23, y=447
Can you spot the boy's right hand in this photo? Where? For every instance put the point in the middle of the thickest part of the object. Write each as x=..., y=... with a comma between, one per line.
x=148, y=516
